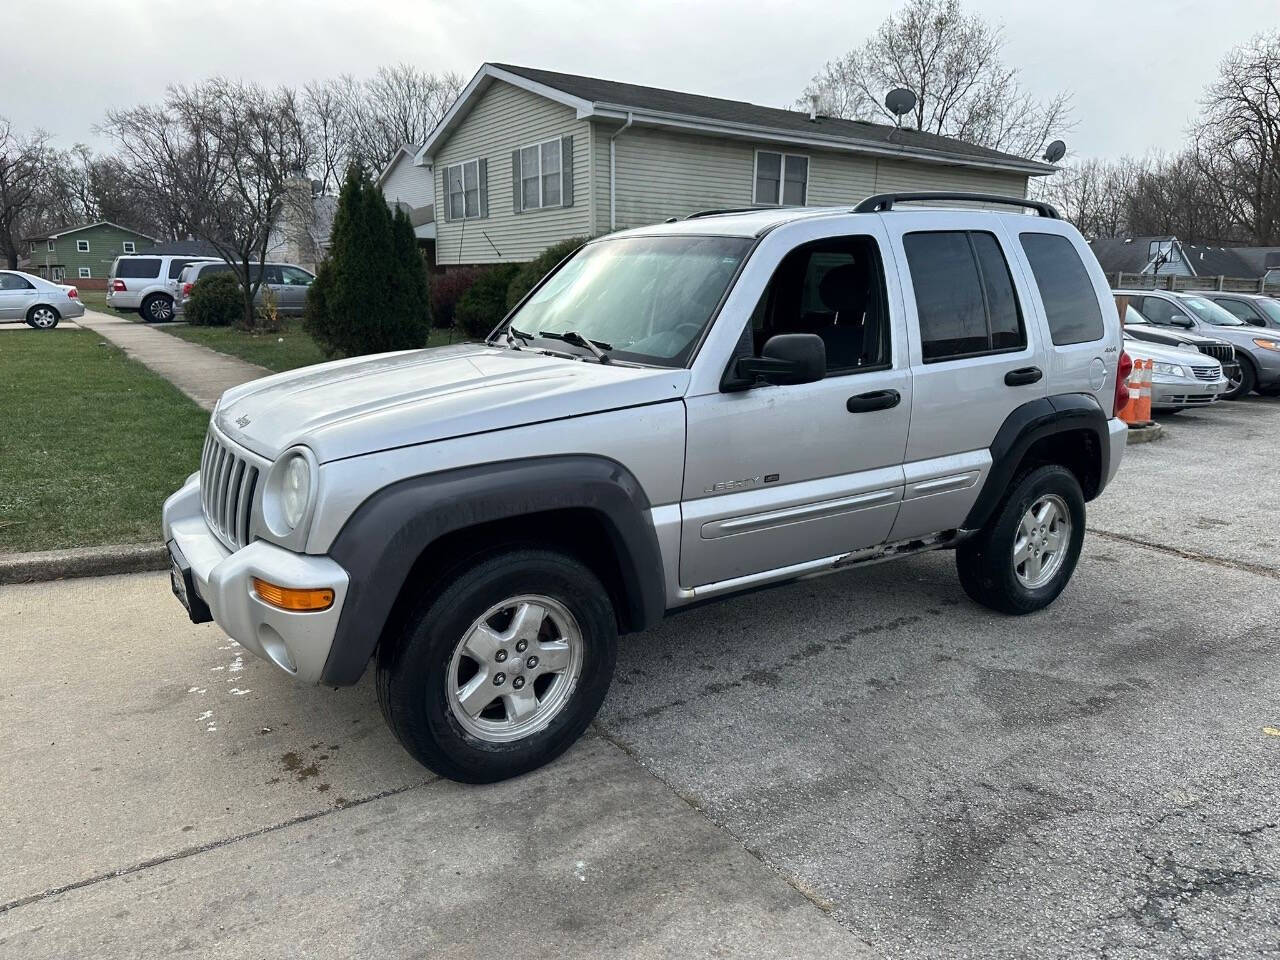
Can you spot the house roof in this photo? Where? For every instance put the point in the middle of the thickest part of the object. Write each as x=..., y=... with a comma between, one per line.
x=409, y=150
x=608, y=99
x=1132, y=255
x=182, y=248
x=89, y=226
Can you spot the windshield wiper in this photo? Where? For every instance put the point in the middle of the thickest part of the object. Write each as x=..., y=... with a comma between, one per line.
x=598, y=348
x=512, y=333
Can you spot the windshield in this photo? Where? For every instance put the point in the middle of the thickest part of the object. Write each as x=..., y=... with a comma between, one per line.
x=1270, y=307
x=1210, y=312
x=645, y=299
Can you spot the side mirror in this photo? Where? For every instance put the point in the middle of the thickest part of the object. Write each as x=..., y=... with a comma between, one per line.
x=787, y=358
x=1180, y=321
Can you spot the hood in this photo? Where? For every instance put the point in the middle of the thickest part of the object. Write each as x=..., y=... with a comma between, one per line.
x=1170, y=336
x=1142, y=350
x=1242, y=336
x=356, y=406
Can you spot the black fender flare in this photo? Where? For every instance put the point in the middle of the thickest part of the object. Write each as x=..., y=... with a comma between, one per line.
x=1033, y=421
x=383, y=539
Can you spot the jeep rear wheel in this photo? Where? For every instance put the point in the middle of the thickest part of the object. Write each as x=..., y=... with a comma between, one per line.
x=503, y=668
x=1026, y=554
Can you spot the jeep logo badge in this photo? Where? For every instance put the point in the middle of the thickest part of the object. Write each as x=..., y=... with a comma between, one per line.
x=242, y=422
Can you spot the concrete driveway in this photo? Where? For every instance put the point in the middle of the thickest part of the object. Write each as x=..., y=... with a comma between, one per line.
x=862, y=765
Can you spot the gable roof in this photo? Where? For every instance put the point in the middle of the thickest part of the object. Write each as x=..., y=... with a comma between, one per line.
x=89, y=226
x=409, y=150
x=653, y=106
x=1132, y=255
x=1124, y=254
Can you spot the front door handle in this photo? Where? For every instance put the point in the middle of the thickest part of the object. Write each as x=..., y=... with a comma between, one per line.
x=1022, y=376
x=875, y=400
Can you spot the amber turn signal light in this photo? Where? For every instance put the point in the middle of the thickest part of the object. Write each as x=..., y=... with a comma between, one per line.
x=290, y=598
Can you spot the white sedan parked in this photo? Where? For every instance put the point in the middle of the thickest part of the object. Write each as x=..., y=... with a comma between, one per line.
x=38, y=302
x=1179, y=378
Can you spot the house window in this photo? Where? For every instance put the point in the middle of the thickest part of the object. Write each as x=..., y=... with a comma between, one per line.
x=85, y=273
x=782, y=179
x=128, y=247
x=51, y=247
x=541, y=167
x=462, y=190
x=82, y=246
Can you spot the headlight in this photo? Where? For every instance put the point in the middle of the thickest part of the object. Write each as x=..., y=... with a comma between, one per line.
x=294, y=490
x=1169, y=369
x=1268, y=344
x=289, y=491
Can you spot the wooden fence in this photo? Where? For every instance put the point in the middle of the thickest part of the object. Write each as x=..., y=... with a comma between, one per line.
x=1147, y=281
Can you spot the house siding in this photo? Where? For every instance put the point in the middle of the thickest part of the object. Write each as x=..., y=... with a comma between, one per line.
x=503, y=119
x=105, y=244
x=409, y=184
x=660, y=174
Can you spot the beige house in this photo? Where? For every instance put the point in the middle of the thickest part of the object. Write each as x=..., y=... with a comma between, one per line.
x=528, y=157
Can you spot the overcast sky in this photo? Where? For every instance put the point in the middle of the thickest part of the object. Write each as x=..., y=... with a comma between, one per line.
x=1135, y=67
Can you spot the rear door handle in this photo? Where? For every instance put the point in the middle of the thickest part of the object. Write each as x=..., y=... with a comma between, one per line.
x=875, y=400
x=1022, y=376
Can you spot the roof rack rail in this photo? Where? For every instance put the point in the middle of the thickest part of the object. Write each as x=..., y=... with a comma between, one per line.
x=883, y=202
x=715, y=213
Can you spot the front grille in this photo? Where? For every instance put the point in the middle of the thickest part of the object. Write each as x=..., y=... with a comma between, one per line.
x=1224, y=353
x=1207, y=373
x=1192, y=400
x=227, y=484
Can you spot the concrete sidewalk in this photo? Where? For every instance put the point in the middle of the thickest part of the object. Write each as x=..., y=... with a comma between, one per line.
x=202, y=374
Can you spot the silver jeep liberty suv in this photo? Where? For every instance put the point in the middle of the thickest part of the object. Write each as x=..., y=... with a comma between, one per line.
x=674, y=413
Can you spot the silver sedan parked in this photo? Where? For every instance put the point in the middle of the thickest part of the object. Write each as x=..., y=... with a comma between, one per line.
x=1179, y=378
x=38, y=302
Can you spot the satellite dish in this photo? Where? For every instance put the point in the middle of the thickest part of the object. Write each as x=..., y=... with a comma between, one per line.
x=1055, y=151
x=899, y=101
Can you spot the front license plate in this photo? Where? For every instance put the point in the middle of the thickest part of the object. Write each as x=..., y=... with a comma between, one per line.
x=184, y=587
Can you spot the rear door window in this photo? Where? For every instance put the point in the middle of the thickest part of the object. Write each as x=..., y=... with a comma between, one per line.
x=1238, y=308
x=1070, y=302
x=965, y=298
x=138, y=268
x=176, y=265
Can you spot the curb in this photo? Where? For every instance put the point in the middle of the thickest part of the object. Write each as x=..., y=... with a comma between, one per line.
x=1144, y=432
x=82, y=562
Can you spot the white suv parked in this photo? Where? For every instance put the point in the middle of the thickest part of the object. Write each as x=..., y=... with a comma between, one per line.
x=146, y=283
x=675, y=413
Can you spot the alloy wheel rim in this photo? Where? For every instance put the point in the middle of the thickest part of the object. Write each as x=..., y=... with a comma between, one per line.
x=514, y=669
x=43, y=318
x=160, y=310
x=1041, y=541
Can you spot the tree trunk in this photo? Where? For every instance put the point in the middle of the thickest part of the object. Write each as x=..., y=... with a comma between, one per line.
x=248, y=306
x=11, y=258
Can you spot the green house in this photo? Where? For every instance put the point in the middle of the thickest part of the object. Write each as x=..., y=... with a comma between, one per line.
x=83, y=253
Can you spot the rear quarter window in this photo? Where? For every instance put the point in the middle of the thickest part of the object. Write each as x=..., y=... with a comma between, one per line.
x=1070, y=303
x=138, y=268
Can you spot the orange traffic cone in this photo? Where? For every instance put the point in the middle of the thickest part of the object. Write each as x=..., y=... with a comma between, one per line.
x=1143, y=410
x=1129, y=413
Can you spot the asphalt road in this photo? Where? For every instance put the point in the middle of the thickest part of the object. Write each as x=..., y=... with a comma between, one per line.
x=862, y=765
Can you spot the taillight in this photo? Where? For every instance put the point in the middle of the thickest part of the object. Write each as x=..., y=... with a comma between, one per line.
x=1123, y=369
x=73, y=294
x=117, y=286
x=186, y=289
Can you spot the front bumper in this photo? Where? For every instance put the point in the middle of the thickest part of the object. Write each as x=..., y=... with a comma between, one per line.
x=1267, y=363
x=298, y=643
x=1185, y=392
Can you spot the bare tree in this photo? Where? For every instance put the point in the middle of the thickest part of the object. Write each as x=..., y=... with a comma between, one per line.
x=1236, y=141
x=324, y=112
x=25, y=168
x=220, y=158
x=1093, y=194
x=952, y=61
x=395, y=106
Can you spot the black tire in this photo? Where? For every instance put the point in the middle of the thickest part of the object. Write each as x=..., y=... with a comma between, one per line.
x=1271, y=391
x=43, y=317
x=157, y=308
x=414, y=667
x=1248, y=380
x=985, y=562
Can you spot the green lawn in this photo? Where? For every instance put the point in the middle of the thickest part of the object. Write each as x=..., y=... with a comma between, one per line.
x=91, y=442
x=284, y=350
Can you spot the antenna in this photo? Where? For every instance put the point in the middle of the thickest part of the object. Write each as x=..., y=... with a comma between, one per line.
x=1055, y=151
x=898, y=101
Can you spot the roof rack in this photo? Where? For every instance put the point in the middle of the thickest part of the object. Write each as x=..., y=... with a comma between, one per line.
x=716, y=213
x=883, y=202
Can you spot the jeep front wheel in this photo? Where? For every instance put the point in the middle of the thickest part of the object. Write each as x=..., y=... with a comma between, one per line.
x=503, y=668
x=1025, y=556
